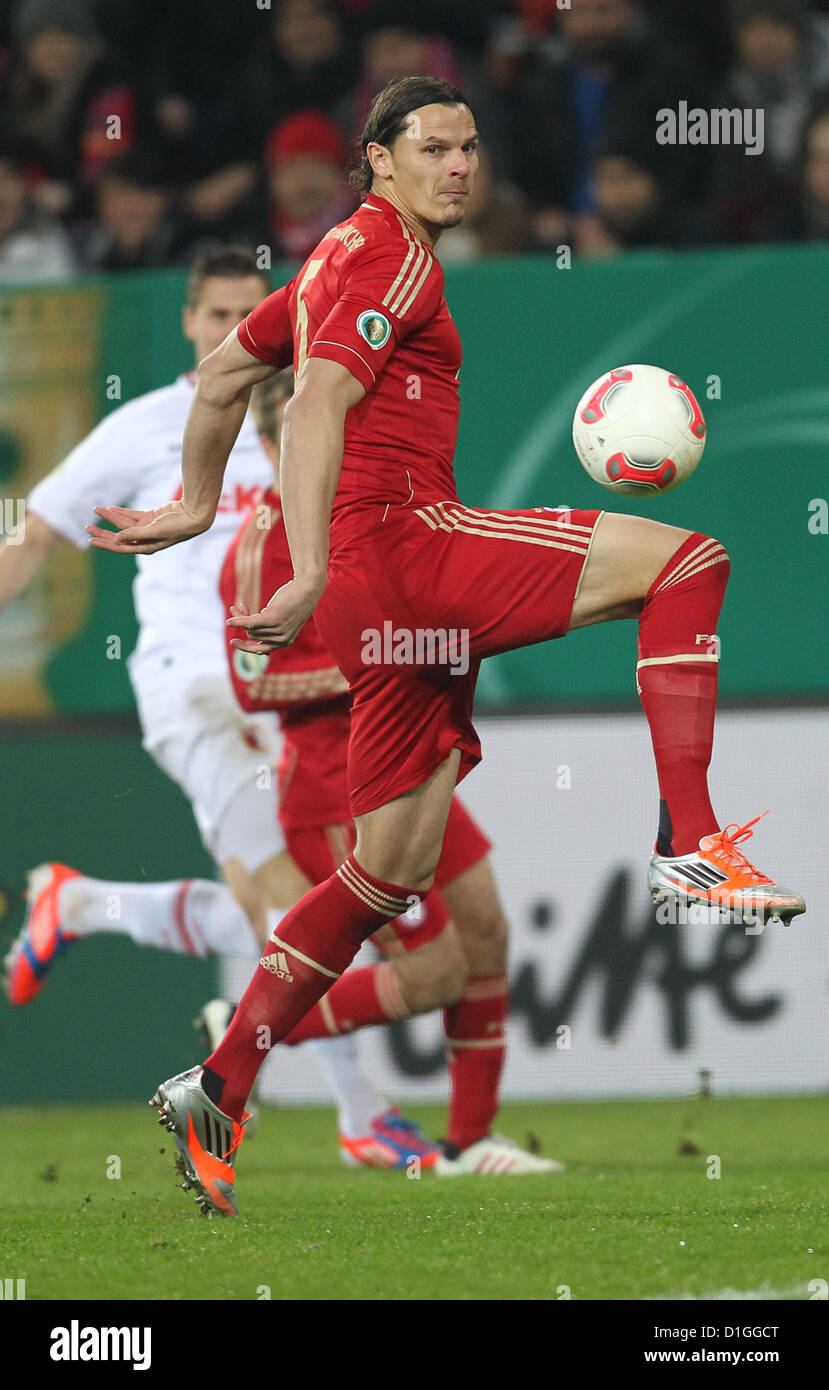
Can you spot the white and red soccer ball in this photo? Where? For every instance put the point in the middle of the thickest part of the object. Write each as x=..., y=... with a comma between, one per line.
x=639, y=430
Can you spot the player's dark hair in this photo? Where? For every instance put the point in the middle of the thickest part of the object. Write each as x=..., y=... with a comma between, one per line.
x=266, y=399
x=387, y=117
x=225, y=263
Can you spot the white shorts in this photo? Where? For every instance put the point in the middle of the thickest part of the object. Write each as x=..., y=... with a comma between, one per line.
x=223, y=759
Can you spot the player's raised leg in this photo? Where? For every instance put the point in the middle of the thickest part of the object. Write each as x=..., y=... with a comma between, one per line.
x=675, y=581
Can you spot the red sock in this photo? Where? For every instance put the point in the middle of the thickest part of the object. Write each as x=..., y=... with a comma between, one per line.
x=316, y=941
x=677, y=677
x=475, y=1035
x=358, y=1000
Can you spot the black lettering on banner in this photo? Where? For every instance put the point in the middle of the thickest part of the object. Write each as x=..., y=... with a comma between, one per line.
x=625, y=953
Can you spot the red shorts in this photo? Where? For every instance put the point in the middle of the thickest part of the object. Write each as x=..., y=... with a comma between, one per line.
x=487, y=581
x=318, y=850
x=313, y=773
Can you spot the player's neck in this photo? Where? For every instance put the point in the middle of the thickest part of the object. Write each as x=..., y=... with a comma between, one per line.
x=425, y=231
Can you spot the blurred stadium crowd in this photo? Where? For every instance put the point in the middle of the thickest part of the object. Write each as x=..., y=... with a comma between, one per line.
x=132, y=131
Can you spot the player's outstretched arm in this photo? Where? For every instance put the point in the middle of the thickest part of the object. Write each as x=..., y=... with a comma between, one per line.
x=220, y=402
x=22, y=555
x=311, y=458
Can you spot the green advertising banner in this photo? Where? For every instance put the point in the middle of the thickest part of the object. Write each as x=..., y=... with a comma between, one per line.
x=114, y=1017
x=744, y=328
x=49, y=366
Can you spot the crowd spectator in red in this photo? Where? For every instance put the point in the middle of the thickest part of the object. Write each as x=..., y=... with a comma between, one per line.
x=305, y=63
x=307, y=189
x=63, y=101
x=807, y=216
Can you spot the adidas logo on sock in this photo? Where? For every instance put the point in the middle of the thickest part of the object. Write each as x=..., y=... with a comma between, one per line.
x=277, y=963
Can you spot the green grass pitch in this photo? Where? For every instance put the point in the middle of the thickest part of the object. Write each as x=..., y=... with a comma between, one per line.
x=635, y=1215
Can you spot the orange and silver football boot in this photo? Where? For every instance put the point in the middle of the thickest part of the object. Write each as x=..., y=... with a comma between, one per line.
x=207, y=1140
x=720, y=876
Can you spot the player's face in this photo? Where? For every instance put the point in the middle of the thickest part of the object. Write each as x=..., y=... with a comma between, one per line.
x=223, y=303
x=431, y=168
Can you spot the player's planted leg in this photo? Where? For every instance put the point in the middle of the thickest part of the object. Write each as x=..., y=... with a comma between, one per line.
x=319, y=938
x=206, y=1139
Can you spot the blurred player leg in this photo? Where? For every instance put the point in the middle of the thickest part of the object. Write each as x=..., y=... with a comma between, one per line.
x=191, y=917
x=475, y=1033
x=188, y=916
x=475, y=1025
x=359, y=1103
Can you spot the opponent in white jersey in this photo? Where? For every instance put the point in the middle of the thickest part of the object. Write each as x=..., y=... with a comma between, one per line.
x=178, y=669
x=191, y=722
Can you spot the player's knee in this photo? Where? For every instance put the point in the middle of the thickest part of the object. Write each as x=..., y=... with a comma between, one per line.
x=486, y=926
x=415, y=873
x=443, y=972
x=257, y=916
x=722, y=570
x=422, y=877
x=246, y=892
x=707, y=562
x=450, y=977
x=495, y=928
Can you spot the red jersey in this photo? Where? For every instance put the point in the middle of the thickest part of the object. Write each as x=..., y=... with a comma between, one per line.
x=300, y=682
x=371, y=298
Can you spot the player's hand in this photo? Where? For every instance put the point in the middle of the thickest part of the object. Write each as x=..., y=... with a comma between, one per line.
x=280, y=623
x=142, y=533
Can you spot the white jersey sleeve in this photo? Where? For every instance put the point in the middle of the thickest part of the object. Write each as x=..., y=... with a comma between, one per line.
x=100, y=471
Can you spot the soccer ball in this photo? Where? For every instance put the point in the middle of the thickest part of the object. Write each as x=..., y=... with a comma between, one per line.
x=639, y=430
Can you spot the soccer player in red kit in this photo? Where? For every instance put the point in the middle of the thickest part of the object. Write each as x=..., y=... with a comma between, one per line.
x=371, y=432
x=458, y=965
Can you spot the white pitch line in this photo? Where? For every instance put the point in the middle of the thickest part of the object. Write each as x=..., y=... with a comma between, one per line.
x=762, y=1295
